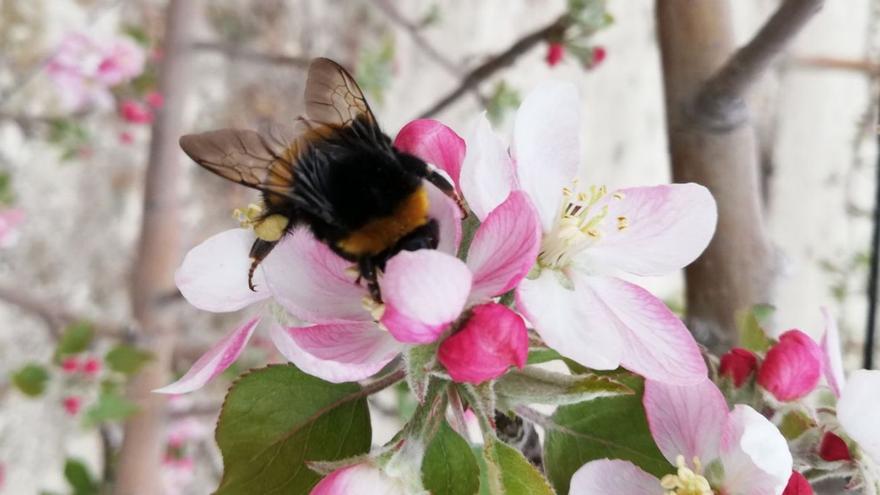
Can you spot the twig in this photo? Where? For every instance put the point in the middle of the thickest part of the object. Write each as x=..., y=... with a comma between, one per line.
x=55, y=315
x=500, y=61
x=875, y=264
x=233, y=51
x=388, y=8
x=861, y=66
x=720, y=104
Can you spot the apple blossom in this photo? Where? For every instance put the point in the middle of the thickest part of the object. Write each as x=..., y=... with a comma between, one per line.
x=72, y=404
x=135, y=112
x=360, y=478
x=555, y=53
x=573, y=297
x=70, y=364
x=715, y=450
x=833, y=448
x=798, y=485
x=792, y=367
x=738, y=364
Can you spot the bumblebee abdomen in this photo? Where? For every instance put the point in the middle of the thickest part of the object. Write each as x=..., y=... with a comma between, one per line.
x=381, y=233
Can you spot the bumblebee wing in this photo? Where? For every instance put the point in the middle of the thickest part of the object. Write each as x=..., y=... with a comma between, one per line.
x=333, y=98
x=246, y=157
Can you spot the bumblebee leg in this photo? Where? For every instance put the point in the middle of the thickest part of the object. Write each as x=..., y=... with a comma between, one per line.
x=367, y=269
x=259, y=250
x=439, y=181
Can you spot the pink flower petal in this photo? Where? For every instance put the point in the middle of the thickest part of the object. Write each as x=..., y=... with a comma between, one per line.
x=214, y=274
x=10, y=220
x=213, y=362
x=312, y=282
x=792, y=367
x=607, y=476
x=658, y=345
x=686, y=420
x=573, y=322
x=492, y=340
x=832, y=356
x=487, y=173
x=547, y=146
x=754, y=454
x=337, y=352
x=359, y=478
x=857, y=410
x=434, y=143
x=504, y=247
x=448, y=215
x=667, y=227
x=424, y=291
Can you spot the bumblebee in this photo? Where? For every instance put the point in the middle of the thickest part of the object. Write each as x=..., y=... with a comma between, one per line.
x=333, y=171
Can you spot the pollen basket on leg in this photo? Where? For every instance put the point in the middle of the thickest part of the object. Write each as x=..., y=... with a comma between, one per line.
x=579, y=225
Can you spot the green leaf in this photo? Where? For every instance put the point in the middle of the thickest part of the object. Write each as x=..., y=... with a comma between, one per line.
x=502, y=101
x=795, y=423
x=75, y=339
x=276, y=419
x=752, y=322
x=538, y=355
x=110, y=406
x=127, y=359
x=7, y=196
x=610, y=427
x=31, y=379
x=509, y=473
x=449, y=467
x=77, y=475
x=533, y=385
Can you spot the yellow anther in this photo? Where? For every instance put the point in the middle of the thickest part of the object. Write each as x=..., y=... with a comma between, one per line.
x=618, y=195
x=272, y=227
x=622, y=223
x=686, y=481
x=376, y=309
x=594, y=233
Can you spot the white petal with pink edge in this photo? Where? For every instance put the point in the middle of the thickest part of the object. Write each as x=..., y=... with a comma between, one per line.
x=833, y=357
x=214, y=274
x=504, y=247
x=356, y=479
x=435, y=143
x=754, y=454
x=312, y=282
x=607, y=476
x=653, y=230
x=487, y=173
x=337, y=352
x=448, y=215
x=423, y=291
x=686, y=420
x=570, y=321
x=857, y=410
x=658, y=345
x=213, y=362
x=547, y=146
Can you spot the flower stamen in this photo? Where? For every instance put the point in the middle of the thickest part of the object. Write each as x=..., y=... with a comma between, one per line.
x=686, y=481
x=577, y=227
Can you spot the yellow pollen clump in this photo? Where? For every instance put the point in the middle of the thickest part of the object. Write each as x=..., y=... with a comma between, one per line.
x=272, y=227
x=249, y=216
x=686, y=481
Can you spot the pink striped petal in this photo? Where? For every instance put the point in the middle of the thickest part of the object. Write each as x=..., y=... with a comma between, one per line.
x=857, y=410
x=504, y=247
x=359, y=478
x=213, y=362
x=492, y=340
x=547, y=146
x=434, y=143
x=792, y=367
x=214, y=274
x=607, y=476
x=686, y=420
x=832, y=356
x=337, y=352
x=667, y=227
x=312, y=282
x=424, y=291
x=658, y=345
x=448, y=215
x=754, y=454
x=570, y=321
x=487, y=173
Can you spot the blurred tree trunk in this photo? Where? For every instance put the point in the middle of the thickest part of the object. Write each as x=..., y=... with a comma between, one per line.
x=712, y=142
x=138, y=471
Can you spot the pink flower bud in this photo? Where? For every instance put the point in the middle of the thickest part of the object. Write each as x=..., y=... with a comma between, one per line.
x=92, y=366
x=555, y=52
x=359, y=478
x=70, y=365
x=798, y=485
x=155, y=99
x=126, y=137
x=738, y=364
x=599, y=55
x=492, y=339
x=792, y=367
x=833, y=448
x=72, y=404
x=135, y=112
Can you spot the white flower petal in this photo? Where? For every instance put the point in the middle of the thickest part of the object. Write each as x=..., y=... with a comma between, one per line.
x=754, y=454
x=487, y=173
x=857, y=410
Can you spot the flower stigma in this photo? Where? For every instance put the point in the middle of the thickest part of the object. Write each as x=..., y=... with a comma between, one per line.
x=578, y=226
x=686, y=481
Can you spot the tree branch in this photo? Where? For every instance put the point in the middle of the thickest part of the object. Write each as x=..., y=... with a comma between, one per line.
x=56, y=315
x=234, y=51
x=500, y=61
x=387, y=7
x=720, y=103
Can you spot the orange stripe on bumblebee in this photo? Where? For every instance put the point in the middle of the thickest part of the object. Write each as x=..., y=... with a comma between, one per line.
x=382, y=233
